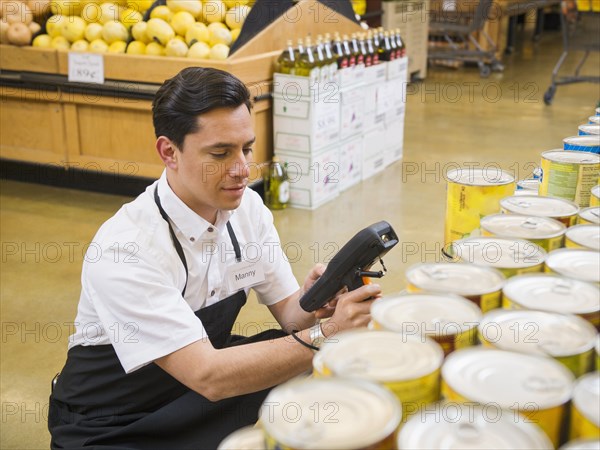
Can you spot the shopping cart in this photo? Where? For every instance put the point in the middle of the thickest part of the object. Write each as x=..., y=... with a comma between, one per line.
x=458, y=30
x=580, y=22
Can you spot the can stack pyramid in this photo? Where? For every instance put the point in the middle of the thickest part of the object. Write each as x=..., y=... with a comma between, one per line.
x=495, y=346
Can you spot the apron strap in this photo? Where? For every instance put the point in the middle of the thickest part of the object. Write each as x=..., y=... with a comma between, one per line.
x=177, y=244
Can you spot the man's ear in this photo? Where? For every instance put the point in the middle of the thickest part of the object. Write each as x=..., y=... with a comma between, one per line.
x=167, y=151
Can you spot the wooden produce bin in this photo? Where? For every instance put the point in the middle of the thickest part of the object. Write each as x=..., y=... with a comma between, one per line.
x=114, y=133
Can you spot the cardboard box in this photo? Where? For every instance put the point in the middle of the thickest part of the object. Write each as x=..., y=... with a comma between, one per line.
x=374, y=159
x=352, y=111
x=314, y=178
x=306, y=118
x=394, y=140
x=374, y=92
x=351, y=154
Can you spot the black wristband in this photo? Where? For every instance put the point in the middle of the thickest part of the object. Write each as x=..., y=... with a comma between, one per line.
x=312, y=347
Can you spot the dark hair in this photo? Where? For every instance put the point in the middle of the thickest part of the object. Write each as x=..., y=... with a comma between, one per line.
x=190, y=93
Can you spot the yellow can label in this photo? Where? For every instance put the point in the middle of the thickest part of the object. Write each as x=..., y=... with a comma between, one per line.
x=568, y=180
x=466, y=205
x=508, y=273
x=581, y=427
x=414, y=394
x=579, y=364
x=490, y=301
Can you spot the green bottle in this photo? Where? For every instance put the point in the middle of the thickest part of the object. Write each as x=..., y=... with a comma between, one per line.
x=287, y=60
x=277, y=186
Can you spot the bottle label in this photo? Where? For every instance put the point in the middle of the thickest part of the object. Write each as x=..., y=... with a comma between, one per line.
x=352, y=61
x=284, y=192
x=375, y=59
x=360, y=60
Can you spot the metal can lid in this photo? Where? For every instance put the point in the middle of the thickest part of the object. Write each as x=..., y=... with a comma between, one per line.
x=489, y=176
x=538, y=332
x=546, y=292
x=578, y=263
x=586, y=235
x=594, y=119
x=451, y=425
x=586, y=397
x=381, y=355
x=596, y=191
x=247, y=438
x=529, y=184
x=583, y=141
x=351, y=413
x=582, y=444
x=591, y=214
x=533, y=205
x=507, y=379
x=460, y=279
x=432, y=314
x=590, y=128
x=498, y=252
x=574, y=157
x=522, y=227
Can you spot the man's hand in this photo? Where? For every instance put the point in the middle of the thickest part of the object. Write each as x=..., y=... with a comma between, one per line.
x=350, y=309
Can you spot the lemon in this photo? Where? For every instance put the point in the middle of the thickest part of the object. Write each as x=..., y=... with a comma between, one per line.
x=114, y=31
x=194, y=7
x=54, y=25
x=60, y=43
x=236, y=16
x=233, y=3
x=155, y=49
x=220, y=36
x=129, y=17
x=160, y=31
x=162, y=12
x=198, y=32
x=219, y=51
x=136, y=48
x=215, y=25
x=175, y=47
x=181, y=21
x=109, y=12
x=200, y=50
x=213, y=11
x=42, y=41
x=91, y=12
x=117, y=47
x=73, y=29
x=93, y=31
x=235, y=34
x=140, y=5
x=80, y=46
x=98, y=46
x=66, y=7
x=138, y=31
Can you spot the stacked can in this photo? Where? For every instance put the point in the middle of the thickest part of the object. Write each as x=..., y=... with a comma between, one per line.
x=587, y=143
x=408, y=365
x=567, y=338
x=471, y=194
x=589, y=215
x=479, y=284
x=537, y=387
x=546, y=232
x=510, y=256
x=585, y=413
x=564, y=211
x=595, y=196
x=580, y=264
x=247, y=438
x=332, y=413
x=552, y=293
x=589, y=129
x=449, y=320
x=570, y=175
x=583, y=236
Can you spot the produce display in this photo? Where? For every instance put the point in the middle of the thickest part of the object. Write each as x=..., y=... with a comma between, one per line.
x=182, y=28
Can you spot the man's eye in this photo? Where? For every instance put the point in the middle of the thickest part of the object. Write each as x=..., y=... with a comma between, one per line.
x=219, y=155
x=247, y=150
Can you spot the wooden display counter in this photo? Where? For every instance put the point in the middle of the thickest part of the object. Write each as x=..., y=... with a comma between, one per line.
x=51, y=121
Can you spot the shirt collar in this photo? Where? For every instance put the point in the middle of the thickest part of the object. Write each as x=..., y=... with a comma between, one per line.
x=191, y=225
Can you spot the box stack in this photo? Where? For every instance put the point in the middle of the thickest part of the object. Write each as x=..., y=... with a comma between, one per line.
x=333, y=133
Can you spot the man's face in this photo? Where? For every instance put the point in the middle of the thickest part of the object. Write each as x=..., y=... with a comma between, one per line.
x=211, y=171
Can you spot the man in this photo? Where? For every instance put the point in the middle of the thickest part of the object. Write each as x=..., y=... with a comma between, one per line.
x=152, y=363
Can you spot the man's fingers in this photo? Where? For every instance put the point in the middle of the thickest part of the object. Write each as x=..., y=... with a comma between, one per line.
x=362, y=293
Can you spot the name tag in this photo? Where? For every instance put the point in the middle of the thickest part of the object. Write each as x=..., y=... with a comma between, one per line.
x=244, y=274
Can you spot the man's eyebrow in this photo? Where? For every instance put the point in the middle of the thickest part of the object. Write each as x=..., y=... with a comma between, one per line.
x=227, y=145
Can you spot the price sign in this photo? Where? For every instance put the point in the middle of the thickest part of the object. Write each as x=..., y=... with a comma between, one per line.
x=86, y=68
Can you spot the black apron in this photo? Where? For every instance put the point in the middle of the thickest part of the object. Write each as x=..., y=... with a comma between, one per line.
x=95, y=404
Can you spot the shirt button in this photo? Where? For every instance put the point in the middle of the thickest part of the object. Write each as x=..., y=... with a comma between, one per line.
x=192, y=239
x=212, y=292
x=211, y=229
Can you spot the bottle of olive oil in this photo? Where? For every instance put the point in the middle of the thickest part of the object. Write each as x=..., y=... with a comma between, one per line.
x=287, y=60
x=277, y=186
x=306, y=65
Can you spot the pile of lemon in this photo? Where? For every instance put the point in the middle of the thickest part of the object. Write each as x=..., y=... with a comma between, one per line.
x=200, y=29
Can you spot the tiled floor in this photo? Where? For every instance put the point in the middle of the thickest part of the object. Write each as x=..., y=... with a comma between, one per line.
x=454, y=117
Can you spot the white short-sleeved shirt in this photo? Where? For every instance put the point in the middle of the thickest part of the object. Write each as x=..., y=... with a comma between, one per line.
x=132, y=277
